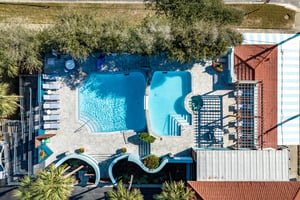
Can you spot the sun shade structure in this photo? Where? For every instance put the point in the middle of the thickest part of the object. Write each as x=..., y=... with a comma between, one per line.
x=256, y=69
x=261, y=47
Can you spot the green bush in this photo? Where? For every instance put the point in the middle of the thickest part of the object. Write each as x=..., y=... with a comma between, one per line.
x=146, y=137
x=123, y=150
x=152, y=161
x=81, y=150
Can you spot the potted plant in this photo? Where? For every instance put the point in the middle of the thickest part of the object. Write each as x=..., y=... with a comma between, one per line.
x=218, y=66
x=42, y=154
x=196, y=103
x=81, y=150
x=123, y=150
x=146, y=137
x=151, y=161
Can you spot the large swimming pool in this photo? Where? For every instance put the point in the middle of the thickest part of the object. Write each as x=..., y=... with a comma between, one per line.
x=166, y=102
x=112, y=102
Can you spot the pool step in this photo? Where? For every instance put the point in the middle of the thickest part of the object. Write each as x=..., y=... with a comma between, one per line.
x=181, y=120
x=100, y=157
x=176, y=123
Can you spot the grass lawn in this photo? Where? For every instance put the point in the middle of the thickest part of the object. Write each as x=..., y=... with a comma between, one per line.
x=256, y=15
x=266, y=16
x=47, y=13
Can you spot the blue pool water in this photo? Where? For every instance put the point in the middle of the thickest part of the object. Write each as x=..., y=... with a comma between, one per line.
x=166, y=102
x=112, y=102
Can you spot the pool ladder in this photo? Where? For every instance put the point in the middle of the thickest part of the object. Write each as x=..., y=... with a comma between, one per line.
x=176, y=123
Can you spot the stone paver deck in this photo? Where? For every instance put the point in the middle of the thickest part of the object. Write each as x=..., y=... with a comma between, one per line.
x=102, y=146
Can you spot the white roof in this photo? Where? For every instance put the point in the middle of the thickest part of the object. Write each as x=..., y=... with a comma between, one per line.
x=242, y=165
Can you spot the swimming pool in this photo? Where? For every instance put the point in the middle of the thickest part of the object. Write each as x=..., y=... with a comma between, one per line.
x=112, y=102
x=166, y=102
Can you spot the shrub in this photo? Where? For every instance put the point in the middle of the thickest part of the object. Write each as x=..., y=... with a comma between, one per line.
x=42, y=154
x=123, y=150
x=152, y=161
x=146, y=137
x=81, y=150
x=218, y=66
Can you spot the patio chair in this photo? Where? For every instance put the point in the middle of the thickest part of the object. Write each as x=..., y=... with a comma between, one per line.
x=238, y=93
x=51, y=97
x=51, y=106
x=50, y=86
x=51, y=117
x=49, y=126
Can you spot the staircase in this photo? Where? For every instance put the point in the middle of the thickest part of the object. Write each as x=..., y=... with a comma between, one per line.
x=144, y=149
x=104, y=161
x=177, y=123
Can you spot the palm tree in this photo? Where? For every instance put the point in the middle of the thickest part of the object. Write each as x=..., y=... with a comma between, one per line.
x=125, y=194
x=50, y=183
x=175, y=191
x=24, y=192
x=8, y=103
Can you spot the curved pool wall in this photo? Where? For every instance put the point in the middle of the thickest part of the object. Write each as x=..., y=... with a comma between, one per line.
x=89, y=160
x=109, y=102
x=166, y=102
x=137, y=160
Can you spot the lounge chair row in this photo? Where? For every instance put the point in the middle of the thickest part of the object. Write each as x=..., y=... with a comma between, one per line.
x=51, y=121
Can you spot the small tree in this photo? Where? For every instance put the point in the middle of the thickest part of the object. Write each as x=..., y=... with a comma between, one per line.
x=199, y=29
x=19, y=51
x=75, y=34
x=121, y=193
x=8, y=103
x=183, y=11
x=175, y=191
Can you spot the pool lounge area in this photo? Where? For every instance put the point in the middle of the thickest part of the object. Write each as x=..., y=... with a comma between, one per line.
x=102, y=111
x=101, y=114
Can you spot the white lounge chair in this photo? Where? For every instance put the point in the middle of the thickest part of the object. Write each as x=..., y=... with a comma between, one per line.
x=51, y=97
x=48, y=126
x=51, y=106
x=238, y=93
x=50, y=77
x=50, y=86
x=51, y=117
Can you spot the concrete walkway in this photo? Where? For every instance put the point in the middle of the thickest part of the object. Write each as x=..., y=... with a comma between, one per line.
x=294, y=4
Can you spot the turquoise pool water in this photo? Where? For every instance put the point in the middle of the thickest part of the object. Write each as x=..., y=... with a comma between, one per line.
x=113, y=102
x=166, y=102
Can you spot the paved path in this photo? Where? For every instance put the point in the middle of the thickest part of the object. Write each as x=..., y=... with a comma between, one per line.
x=292, y=3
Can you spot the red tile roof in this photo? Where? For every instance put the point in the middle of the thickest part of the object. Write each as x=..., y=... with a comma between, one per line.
x=259, y=62
x=209, y=190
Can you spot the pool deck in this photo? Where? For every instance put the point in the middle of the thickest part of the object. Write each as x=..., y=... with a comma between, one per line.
x=105, y=146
